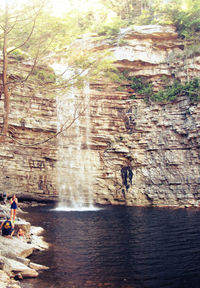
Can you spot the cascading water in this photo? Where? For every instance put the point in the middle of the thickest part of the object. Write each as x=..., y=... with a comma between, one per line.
x=74, y=161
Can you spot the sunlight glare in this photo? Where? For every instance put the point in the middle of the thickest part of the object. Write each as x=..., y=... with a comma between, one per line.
x=59, y=7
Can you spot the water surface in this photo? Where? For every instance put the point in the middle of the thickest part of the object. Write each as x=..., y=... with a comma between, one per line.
x=119, y=247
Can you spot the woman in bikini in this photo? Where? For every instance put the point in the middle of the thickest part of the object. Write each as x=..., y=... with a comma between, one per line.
x=13, y=207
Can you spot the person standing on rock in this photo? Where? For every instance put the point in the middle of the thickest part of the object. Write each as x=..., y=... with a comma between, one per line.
x=13, y=207
x=7, y=227
x=4, y=196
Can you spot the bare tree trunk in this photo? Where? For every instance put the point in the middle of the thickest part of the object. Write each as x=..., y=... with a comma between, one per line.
x=4, y=80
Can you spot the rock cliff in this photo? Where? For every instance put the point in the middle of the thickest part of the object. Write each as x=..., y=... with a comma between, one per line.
x=143, y=153
x=26, y=170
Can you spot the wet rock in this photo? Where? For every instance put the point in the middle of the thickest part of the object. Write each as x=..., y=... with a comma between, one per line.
x=13, y=253
x=17, y=267
x=13, y=285
x=4, y=276
x=37, y=240
x=25, y=226
x=6, y=282
x=37, y=267
x=20, y=248
x=18, y=276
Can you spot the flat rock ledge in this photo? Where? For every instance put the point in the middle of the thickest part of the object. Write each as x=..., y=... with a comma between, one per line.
x=14, y=265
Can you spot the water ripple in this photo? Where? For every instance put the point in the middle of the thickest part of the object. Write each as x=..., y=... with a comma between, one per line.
x=119, y=247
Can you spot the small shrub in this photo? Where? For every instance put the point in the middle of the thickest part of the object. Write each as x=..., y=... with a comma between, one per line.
x=191, y=89
x=141, y=86
x=133, y=97
x=44, y=75
x=111, y=29
x=19, y=55
x=168, y=94
x=137, y=84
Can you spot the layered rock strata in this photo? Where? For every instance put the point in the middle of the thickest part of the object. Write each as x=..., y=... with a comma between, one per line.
x=29, y=170
x=158, y=143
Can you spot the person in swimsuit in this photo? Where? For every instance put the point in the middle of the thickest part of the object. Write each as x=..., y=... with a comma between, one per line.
x=21, y=234
x=13, y=207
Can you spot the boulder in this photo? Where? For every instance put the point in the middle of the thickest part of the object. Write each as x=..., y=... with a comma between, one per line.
x=29, y=273
x=14, y=244
x=18, y=267
x=37, y=267
x=12, y=255
x=25, y=226
x=6, y=282
x=3, y=276
x=38, y=242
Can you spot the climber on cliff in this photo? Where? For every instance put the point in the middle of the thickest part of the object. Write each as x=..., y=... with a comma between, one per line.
x=126, y=174
x=13, y=207
x=7, y=227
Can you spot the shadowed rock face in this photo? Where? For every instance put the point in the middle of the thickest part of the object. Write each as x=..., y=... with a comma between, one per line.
x=159, y=142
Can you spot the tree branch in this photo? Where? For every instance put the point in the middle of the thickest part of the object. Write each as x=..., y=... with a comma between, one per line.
x=26, y=40
x=63, y=128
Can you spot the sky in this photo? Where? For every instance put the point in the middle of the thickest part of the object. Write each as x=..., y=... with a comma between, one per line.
x=60, y=7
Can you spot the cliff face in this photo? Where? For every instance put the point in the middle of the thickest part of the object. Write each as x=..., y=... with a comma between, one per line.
x=148, y=153
x=29, y=171
x=142, y=154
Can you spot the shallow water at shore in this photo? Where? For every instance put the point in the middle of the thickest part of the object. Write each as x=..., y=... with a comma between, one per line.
x=119, y=247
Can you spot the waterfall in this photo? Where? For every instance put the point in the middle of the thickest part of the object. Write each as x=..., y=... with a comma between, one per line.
x=74, y=161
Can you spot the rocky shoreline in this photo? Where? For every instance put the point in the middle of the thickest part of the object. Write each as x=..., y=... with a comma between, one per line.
x=14, y=264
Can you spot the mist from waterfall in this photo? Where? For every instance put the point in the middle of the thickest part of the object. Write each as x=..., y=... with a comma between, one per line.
x=74, y=160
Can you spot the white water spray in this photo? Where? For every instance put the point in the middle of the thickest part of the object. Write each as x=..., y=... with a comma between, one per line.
x=74, y=161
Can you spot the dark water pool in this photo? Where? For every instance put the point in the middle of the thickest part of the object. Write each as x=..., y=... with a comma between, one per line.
x=120, y=247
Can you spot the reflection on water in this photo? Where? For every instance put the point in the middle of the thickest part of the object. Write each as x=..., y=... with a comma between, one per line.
x=65, y=208
x=119, y=247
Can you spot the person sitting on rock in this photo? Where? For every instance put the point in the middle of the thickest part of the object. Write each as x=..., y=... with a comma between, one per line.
x=7, y=227
x=21, y=234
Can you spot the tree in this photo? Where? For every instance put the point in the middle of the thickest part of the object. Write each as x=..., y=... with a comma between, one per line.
x=24, y=36
x=128, y=9
x=11, y=22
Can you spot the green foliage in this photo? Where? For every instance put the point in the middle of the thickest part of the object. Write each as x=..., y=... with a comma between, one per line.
x=53, y=34
x=120, y=88
x=191, y=89
x=184, y=14
x=123, y=76
x=127, y=9
x=111, y=29
x=144, y=19
x=192, y=50
x=140, y=85
x=19, y=55
x=168, y=94
x=44, y=75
